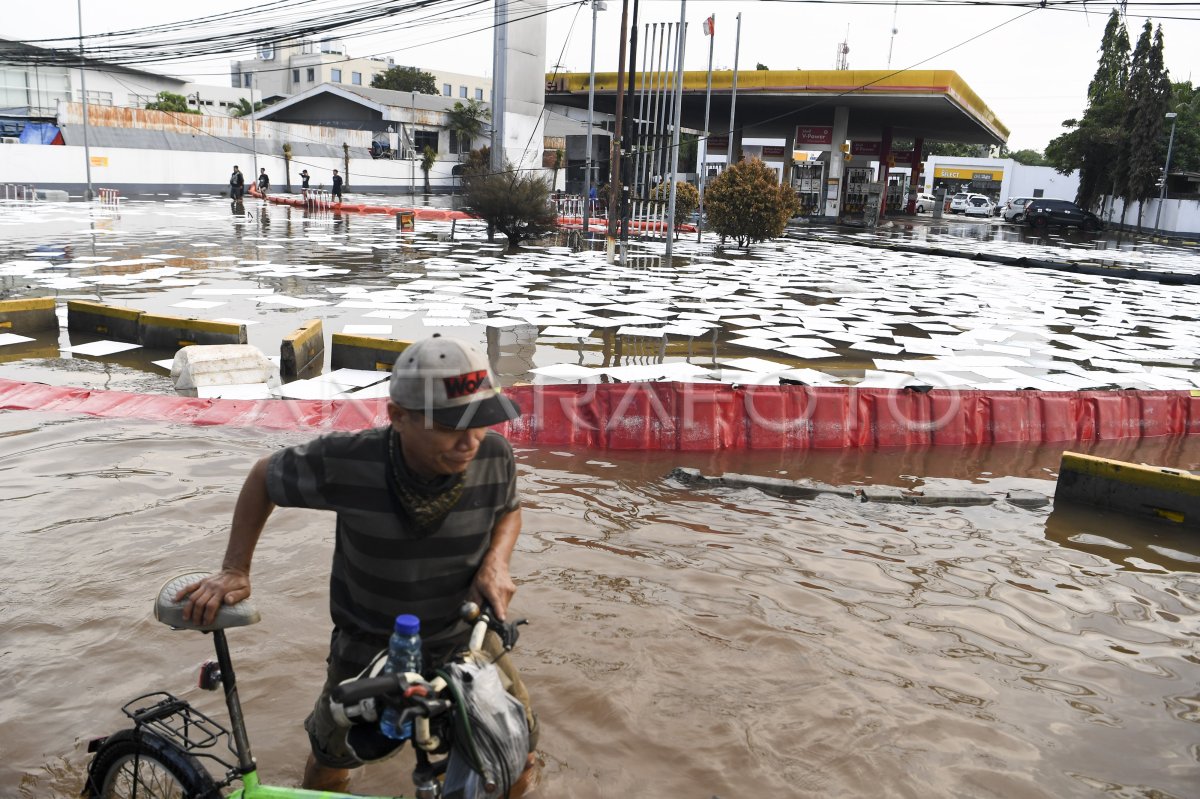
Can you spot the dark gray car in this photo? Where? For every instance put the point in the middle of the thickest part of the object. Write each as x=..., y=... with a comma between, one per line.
x=1041, y=213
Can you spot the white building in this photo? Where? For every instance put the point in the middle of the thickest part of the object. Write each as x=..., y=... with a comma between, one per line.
x=33, y=80
x=999, y=178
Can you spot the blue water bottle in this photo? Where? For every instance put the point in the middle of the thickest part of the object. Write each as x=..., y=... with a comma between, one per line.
x=404, y=655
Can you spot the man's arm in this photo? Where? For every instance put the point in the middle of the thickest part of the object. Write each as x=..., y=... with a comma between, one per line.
x=232, y=584
x=493, y=582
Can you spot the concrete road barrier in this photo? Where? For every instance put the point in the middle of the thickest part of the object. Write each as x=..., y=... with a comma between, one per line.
x=110, y=321
x=163, y=332
x=1153, y=491
x=365, y=352
x=28, y=316
x=302, y=352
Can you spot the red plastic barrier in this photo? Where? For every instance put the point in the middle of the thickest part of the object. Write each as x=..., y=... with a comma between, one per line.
x=634, y=224
x=423, y=214
x=701, y=417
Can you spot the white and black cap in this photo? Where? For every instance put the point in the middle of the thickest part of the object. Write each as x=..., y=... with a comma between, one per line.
x=450, y=382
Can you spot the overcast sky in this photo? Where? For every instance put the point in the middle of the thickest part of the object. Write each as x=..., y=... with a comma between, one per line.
x=1031, y=67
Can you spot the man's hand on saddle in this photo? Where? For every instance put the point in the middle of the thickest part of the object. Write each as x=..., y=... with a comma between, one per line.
x=204, y=599
x=493, y=585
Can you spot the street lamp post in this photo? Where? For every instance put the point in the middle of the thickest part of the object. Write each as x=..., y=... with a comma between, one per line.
x=1162, y=192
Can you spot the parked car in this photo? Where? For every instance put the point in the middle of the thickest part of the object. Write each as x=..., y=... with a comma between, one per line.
x=978, y=205
x=958, y=202
x=1041, y=213
x=1014, y=209
x=925, y=202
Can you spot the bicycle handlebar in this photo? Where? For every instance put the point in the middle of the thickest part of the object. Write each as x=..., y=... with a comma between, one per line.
x=350, y=693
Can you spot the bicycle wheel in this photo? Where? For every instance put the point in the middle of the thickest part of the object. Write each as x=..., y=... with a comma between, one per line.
x=140, y=764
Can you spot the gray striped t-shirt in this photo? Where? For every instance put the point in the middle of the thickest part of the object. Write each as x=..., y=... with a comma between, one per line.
x=381, y=566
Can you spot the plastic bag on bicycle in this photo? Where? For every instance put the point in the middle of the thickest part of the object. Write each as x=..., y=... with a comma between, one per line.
x=491, y=736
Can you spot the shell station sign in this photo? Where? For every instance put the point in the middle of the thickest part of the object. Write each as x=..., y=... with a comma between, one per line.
x=968, y=173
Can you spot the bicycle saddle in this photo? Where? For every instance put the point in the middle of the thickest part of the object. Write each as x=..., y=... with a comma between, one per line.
x=170, y=612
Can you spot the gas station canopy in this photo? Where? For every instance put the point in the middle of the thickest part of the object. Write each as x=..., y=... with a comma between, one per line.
x=927, y=104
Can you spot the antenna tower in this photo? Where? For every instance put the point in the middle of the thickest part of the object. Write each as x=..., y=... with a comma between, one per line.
x=843, y=52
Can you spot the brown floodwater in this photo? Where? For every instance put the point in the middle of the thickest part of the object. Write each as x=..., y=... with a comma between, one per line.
x=683, y=641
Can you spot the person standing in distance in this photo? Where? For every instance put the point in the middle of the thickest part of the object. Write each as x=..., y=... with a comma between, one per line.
x=237, y=184
x=264, y=182
x=427, y=517
x=337, y=186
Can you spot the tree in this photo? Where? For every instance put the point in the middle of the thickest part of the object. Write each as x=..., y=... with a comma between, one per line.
x=1029, y=158
x=1148, y=96
x=1185, y=101
x=761, y=67
x=687, y=199
x=172, y=103
x=243, y=108
x=406, y=79
x=513, y=202
x=1093, y=144
x=953, y=149
x=746, y=202
x=428, y=157
x=466, y=122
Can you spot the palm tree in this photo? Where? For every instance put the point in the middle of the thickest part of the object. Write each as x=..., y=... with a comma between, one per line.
x=428, y=157
x=466, y=122
x=243, y=108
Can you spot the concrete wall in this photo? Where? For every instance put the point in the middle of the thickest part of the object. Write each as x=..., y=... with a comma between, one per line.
x=136, y=171
x=1180, y=217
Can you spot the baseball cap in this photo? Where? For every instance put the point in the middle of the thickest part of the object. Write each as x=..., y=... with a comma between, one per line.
x=450, y=382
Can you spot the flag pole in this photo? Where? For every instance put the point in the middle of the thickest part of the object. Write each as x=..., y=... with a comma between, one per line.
x=733, y=97
x=710, y=30
x=675, y=128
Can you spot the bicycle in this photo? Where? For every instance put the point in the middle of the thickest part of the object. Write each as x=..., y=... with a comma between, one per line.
x=456, y=717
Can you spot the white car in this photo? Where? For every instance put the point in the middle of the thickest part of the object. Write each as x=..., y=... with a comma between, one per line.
x=978, y=205
x=925, y=202
x=958, y=203
x=1014, y=210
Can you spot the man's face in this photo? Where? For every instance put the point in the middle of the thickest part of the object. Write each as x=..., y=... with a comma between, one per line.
x=430, y=449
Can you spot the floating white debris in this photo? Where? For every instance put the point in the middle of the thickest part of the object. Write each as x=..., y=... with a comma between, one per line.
x=12, y=338
x=101, y=348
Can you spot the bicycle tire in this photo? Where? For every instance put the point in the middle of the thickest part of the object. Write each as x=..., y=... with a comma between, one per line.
x=162, y=770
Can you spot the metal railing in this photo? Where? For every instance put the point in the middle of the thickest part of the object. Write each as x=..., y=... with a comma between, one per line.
x=18, y=193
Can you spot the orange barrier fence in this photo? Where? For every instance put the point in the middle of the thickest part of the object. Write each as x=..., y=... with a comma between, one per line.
x=702, y=417
x=422, y=214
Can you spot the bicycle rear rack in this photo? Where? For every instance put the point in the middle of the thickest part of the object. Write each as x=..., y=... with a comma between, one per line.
x=176, y=721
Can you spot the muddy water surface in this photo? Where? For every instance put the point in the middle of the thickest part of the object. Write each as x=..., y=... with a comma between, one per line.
x=684, y=642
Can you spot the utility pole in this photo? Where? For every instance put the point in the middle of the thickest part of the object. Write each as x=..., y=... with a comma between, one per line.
x=499, y=87
x=618, y=140
x=628, y=174
x=1162, y=192
x=253, y=128
x=597, y=6
x=87, y=152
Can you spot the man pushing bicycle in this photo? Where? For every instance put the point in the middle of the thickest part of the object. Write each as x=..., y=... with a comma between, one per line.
x=427, y=517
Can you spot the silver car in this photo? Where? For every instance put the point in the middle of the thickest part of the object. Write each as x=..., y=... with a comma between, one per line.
x=1014, y=209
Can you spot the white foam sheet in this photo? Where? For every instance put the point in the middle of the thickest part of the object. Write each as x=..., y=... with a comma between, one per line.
x=757, y=365
x=367, y=330
x=102, y=348
x=12, y=338
x=567, y=332
x=198, y=304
